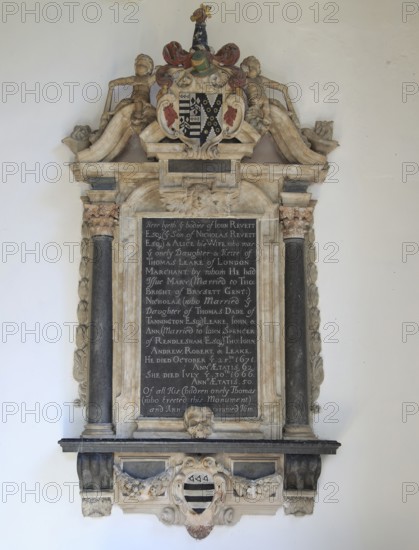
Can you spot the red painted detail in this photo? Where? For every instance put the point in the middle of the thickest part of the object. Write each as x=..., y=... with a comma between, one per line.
x=230, y=115
x=170, y=115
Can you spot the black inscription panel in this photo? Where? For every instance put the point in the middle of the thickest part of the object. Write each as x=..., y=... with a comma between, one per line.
x=199, y=318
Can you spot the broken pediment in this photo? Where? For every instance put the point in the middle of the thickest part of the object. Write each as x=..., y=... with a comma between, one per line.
x=204, y=100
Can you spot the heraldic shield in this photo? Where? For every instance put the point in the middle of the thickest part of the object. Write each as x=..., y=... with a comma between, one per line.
x=199, y=490
x=200, y=115
x=201, y=111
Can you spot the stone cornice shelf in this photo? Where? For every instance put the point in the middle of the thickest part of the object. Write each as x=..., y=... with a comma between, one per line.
x=283, y=446
x=135, y=171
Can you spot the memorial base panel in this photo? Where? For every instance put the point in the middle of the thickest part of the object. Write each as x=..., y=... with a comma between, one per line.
x=199, y=490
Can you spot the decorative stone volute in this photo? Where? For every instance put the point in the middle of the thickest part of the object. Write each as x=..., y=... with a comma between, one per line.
x=296, y=221
x=101, y=218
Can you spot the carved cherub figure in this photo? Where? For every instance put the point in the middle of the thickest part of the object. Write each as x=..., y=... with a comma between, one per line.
x=131, y=115
x=268, y=114
x=144, y=113
x=198, y=422
x=259, y=103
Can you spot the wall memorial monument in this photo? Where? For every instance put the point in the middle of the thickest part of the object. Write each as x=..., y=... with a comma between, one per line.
x=198, y=346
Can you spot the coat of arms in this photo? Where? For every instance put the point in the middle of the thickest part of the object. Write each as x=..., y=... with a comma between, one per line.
x=201, y=99
x=200, y=115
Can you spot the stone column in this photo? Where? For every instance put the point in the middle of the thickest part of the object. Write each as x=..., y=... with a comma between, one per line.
x=101, y=219
x=296, y=221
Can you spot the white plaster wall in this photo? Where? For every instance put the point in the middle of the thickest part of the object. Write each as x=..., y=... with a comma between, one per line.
x=369, y=292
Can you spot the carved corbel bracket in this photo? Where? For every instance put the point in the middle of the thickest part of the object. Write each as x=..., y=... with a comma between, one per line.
x=301, y=474
x=95, y=471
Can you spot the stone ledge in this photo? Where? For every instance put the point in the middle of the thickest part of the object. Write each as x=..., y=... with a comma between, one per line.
x=310, y=447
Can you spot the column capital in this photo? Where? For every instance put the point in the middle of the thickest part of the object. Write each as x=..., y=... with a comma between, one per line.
x=101, y=218
x=296, y=221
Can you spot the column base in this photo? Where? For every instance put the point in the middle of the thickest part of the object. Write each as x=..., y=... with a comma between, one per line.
x=102, y=431
x=296, y=431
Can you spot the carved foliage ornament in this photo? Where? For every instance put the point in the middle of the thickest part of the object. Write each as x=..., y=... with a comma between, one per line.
x=143, y=489
x=101, y=218
x=296, y=221
x=314, y=340
x=81, y=355
x=200, y=200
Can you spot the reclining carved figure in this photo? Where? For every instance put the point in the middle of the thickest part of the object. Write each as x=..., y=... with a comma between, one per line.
x=268, y=114
x=131, y=115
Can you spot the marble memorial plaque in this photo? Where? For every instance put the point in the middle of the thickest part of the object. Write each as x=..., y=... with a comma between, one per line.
x=199, y=317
